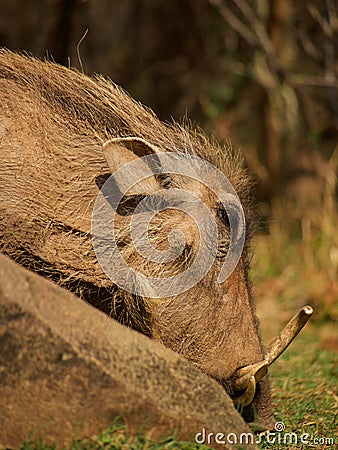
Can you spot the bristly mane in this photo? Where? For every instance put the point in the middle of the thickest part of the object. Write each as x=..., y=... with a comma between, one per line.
x=98, y=107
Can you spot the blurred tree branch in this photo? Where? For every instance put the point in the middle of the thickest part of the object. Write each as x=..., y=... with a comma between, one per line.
x=261, y=71
x=271, y=30
x=255, y=34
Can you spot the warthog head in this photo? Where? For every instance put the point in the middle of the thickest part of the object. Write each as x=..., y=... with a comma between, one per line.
x=147, y=221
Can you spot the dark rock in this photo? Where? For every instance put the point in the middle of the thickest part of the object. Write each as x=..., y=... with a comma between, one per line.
x=67, y=370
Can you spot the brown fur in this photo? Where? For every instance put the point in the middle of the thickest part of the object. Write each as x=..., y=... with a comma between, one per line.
x=54, y=122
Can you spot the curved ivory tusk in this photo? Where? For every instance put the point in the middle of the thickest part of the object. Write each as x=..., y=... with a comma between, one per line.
x=247, y=397
x=287, y=335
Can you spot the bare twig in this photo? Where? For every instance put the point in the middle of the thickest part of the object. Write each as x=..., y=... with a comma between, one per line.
x=308, y=80
x=241, y=28
x=254, y=33
x=262, y=36
x=309, y=47
x=324, y=24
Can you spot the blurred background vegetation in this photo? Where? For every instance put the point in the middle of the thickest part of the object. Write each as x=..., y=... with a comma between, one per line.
x=262, y=73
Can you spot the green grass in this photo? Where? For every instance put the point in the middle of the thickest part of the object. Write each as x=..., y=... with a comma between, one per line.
x=291, y=268
x=304, y=386
x=117, y=438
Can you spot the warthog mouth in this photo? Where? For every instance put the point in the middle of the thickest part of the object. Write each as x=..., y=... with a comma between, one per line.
x=246, y=378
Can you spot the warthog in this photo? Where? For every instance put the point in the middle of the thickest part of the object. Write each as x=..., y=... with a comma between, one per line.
x=62, y=134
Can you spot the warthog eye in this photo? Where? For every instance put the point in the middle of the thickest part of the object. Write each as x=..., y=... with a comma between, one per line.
x=223, y=215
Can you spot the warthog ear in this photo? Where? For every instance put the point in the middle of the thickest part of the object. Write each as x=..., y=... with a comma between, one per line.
x=120, y=151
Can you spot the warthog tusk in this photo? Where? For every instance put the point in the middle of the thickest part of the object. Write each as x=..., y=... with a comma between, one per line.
x=247, y=397
x=247, y=377
x=244, y=375
x=287, y=335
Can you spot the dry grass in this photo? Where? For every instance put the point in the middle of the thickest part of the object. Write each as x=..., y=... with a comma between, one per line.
x=297, y=262
x=304, y=393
